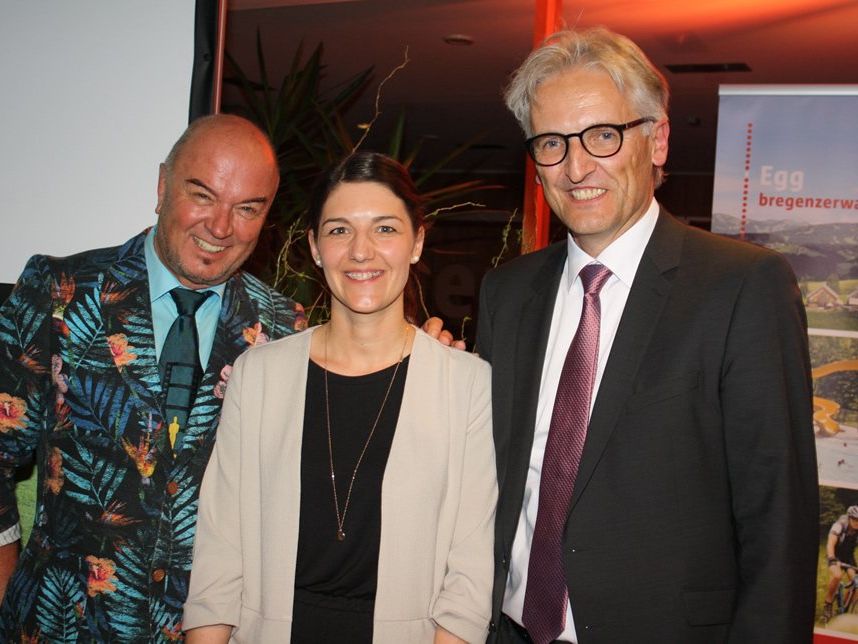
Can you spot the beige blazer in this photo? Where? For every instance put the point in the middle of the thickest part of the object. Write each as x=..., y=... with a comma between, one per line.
x=438, y=500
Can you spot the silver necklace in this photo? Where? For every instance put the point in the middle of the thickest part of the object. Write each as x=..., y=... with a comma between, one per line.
x=341, y=518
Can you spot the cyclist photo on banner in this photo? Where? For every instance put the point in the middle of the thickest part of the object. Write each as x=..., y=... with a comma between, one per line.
x=840, y=594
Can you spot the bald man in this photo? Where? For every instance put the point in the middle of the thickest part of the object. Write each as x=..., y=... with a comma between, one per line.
x=80, y=341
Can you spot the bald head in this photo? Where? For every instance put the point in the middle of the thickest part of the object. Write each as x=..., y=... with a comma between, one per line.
x=228, y=125
x=215, y=189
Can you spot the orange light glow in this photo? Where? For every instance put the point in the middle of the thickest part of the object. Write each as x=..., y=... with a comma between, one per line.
x=672, y=16
x=537, y=215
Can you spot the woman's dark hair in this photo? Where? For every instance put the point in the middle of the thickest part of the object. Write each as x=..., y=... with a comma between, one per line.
x=373, y=167
x=370, y=167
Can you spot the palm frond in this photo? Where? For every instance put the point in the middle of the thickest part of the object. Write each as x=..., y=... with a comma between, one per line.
x=55, y=612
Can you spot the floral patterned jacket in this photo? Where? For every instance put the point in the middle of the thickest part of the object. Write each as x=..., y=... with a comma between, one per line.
x=110, y=554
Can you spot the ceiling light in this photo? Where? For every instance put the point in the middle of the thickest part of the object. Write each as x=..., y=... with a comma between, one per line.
x=460, y=40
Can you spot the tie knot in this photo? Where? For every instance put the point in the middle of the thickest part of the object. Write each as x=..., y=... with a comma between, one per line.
x=593, y=277
x=188, y=301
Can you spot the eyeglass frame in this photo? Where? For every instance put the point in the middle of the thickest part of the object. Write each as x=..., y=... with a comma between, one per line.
x=620, y=128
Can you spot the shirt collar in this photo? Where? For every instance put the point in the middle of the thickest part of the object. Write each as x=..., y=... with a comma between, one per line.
x=621, y=256
x=161, y=279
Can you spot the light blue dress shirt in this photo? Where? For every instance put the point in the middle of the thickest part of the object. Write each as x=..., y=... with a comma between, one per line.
x=164, y=312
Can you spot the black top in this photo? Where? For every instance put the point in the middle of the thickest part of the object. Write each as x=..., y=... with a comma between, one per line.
x=326, y=567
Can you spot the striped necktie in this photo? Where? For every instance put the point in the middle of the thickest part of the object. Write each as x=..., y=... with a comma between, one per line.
x=546, y=595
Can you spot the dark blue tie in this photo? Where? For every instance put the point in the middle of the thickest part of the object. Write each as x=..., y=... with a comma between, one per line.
x=180, y=360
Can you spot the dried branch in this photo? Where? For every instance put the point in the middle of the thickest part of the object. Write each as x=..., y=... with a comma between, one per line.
x=377, y=113
x=505, y=238
x=437, y=212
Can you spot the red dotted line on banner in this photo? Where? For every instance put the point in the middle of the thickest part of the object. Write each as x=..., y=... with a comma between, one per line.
x=747, y=179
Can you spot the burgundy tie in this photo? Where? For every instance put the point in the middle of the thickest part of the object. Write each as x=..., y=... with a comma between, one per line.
x=546, y=596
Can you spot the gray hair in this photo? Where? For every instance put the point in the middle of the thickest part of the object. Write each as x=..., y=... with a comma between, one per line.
x=594, y=49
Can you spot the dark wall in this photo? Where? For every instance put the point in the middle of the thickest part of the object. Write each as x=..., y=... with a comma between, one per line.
x=205, y=46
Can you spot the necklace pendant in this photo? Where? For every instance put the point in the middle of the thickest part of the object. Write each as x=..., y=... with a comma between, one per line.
x=341, y=536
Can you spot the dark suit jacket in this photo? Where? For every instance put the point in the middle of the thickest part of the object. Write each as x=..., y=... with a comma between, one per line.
x=694, y=516
x=109, y=556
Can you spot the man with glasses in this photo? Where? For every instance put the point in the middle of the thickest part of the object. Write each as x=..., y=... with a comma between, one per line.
x=651, y=388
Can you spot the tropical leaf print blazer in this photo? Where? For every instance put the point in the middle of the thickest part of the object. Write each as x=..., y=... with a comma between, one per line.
x=110, y=553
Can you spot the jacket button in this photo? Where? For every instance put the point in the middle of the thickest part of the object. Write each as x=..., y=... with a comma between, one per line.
x=158, y=575
x=492, y=627
x=172, y=488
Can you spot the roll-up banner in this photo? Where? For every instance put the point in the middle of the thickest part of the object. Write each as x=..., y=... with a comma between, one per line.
x=786, y=177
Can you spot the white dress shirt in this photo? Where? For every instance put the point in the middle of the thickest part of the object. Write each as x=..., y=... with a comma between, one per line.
x=622, y=257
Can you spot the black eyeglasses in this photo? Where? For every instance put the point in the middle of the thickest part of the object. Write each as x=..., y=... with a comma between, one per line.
x=601, y=140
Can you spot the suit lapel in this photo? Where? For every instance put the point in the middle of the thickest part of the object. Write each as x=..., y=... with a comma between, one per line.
x=127, y=315
x=640, y=317
x=531, y=339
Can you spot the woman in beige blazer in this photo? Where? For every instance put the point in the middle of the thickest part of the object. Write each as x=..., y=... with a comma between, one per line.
x=351, y=493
